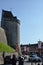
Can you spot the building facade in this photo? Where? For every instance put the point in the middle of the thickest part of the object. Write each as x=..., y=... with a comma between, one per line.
x=32, y=48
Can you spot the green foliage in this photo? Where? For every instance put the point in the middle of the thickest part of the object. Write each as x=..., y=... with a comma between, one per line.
x=5, y=48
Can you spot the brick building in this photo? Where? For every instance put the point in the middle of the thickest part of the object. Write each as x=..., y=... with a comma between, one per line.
x=32, y=48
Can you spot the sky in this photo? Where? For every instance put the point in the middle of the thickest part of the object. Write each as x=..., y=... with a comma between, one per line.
x=30, y=14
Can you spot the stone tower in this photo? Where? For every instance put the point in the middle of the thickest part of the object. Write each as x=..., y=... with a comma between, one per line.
x=12, y=28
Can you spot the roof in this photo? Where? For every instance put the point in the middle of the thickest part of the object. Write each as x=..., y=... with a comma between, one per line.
x=7, y=13
x=28, y=44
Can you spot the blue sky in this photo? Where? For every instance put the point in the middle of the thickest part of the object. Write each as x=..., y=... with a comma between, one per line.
x=30, y=13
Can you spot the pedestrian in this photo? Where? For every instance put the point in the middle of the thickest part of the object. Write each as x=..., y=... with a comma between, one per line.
x=14, y=60
x=21, y=61
x=3, y=55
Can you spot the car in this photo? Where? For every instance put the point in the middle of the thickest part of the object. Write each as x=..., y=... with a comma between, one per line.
x=34, y=58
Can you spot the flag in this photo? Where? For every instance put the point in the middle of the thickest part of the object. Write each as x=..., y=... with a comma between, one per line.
x=39, y=44
x=25, y=48
x=16, y=47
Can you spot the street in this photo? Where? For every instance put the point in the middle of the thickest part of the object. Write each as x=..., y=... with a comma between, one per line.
x=26, y=63
x=29, y=63
x=32, y=63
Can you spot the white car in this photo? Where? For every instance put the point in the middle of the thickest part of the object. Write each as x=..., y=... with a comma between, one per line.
x=34, y=58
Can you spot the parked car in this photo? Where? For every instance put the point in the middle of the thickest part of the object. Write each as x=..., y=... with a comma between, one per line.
x=34, y=58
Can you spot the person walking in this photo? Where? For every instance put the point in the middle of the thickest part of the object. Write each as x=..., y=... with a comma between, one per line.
x=3, y=55
x=14, y=60
x=21, y=61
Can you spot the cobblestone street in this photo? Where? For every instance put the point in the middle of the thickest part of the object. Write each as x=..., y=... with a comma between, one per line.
x=26, y=63
x=32, y=63
x=29, y=63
